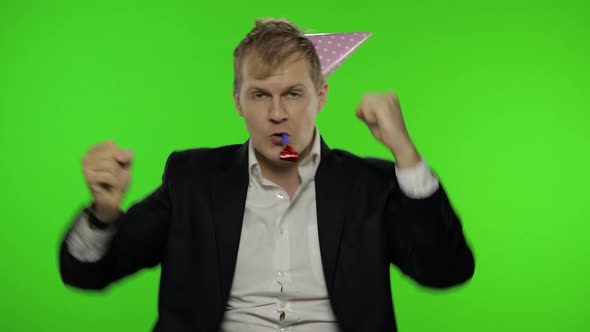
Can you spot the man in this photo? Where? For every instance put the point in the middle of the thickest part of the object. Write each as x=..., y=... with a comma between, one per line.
x=250, y=242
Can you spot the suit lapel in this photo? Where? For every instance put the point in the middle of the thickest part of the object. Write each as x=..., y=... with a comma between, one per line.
x=333, y=183
x=229, y=188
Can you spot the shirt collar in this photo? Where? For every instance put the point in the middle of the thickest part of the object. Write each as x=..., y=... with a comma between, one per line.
x=307, y=167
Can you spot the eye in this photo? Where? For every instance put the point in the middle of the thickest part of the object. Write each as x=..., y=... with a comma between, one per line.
x=294, y=94
x=259, y=95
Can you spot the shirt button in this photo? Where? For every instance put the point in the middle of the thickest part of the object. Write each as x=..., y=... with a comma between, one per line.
x=280, y=274
x=279, y=195
x=281, y=230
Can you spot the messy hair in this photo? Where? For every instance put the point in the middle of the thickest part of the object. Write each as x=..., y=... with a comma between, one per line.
x=273, y=41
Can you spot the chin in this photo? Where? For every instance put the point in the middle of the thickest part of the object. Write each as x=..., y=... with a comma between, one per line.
x=275, y=160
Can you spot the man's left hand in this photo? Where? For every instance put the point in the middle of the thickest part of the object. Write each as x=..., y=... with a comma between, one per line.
x=382, y=114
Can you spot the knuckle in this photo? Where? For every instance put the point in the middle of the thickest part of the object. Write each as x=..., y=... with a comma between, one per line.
x=91, y=179
x=112, y=145
x=105, y=147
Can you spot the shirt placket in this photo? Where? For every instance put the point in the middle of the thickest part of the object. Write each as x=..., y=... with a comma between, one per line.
x=282, y=261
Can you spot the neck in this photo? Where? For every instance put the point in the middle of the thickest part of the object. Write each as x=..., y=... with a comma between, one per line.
x=282, y=170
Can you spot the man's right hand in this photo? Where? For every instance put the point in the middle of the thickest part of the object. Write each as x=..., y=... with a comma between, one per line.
x=107, y=170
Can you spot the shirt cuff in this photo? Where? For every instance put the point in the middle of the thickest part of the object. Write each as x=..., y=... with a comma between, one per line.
x=417, y=182
x=88, y=244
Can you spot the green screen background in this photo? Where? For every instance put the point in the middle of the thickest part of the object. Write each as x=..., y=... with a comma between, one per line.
x=495, y=96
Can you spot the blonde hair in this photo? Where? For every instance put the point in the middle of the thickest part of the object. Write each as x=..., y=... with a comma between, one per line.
x=273, y=41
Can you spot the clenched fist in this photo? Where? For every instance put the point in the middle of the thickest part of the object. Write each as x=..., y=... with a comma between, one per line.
x=107, y=170
x=382, y=114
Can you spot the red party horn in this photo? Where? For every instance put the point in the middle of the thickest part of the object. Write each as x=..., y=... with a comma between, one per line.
x=288, y=153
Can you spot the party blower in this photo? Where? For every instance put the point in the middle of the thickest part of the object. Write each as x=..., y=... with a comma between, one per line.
x=332, y=49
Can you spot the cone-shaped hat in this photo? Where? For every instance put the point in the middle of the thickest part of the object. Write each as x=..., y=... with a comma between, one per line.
x=334, y=48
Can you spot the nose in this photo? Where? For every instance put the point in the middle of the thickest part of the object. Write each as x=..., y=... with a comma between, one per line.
x=277, y=112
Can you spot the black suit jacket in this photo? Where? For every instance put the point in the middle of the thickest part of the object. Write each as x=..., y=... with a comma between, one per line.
x=191, y=225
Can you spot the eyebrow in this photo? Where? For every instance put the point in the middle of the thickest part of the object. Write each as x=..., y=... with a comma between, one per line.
x=289, y=88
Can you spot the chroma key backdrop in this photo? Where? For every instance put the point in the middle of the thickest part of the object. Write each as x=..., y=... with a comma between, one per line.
x=495, y=96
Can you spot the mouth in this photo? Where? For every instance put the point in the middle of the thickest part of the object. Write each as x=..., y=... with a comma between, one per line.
x=280, y=138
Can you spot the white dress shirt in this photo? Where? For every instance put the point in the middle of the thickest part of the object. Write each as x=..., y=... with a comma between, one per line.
x=278, y=282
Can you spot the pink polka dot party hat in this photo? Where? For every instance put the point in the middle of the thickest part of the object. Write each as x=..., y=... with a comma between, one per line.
x=334, y=48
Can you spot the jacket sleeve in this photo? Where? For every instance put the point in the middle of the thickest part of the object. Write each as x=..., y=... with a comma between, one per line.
x=138, y=242
x=425, y=239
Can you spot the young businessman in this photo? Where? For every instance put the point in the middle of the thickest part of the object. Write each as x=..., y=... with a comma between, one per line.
x=250, y=242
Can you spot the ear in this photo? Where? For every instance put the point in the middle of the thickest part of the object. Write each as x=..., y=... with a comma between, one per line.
x=322, y=96
x=237, y=103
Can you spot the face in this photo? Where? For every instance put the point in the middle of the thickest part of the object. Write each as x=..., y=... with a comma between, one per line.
x=287, y=101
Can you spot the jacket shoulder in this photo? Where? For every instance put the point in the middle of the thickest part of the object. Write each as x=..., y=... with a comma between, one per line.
x=198, y=160
x=369, y=165
x=204, y=155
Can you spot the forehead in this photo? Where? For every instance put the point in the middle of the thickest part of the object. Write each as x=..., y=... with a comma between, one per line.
x=295, y=69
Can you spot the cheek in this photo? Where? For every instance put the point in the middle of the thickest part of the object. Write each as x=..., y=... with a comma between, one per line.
x=304, y=111
x=254, y=122
x=250, y=123
x=311, y=115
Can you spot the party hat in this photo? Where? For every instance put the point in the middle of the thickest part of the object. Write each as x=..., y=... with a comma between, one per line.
x=334, y=48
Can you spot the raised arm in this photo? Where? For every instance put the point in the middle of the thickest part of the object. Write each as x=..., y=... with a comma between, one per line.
x=105, y=244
